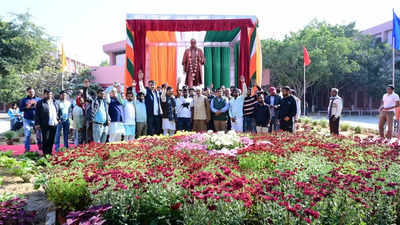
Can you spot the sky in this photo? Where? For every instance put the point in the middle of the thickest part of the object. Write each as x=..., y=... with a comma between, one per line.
x=84, y=26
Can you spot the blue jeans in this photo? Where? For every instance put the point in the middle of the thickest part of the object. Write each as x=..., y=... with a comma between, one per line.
x=100, y=132
x=273, y=124
x=78, y=137
x=183, y=124
x=64, y=125
x=12, y=123
x=29, y=125
x=249, y=124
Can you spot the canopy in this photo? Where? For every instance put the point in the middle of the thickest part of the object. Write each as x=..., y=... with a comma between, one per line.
x=156, y=43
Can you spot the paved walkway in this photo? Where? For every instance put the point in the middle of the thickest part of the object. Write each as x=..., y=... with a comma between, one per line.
x=370, y=122
x=4, y=123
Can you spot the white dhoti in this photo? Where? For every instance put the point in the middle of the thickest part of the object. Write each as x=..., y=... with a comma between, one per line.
x=237, y=125
x=168, y=126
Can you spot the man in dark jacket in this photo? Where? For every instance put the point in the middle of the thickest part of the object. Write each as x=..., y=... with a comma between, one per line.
x=273, y=100
x=98, y=115
x=207, y=93
x=287, y=110
x=46, y=119
x=28, y=107
x=153, y=105
x=261, y=114
x=168, y=105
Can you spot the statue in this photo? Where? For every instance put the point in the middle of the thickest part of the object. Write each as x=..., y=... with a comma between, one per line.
x=192, y=61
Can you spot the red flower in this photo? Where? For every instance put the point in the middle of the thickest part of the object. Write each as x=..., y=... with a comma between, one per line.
x=176, y=206
x=212, y=207
x=237, y=184
x=312, y=213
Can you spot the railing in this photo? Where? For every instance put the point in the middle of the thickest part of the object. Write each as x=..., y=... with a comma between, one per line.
x=357, y=112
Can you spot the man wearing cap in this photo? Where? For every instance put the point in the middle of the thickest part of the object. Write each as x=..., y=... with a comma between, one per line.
x=273, y=101
x=334, y=111
x=390, y=101
x=287, y=110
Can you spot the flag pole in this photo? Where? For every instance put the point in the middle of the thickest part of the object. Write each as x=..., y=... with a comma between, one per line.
x=304, y=91
x=393, y=61
x=62, y=80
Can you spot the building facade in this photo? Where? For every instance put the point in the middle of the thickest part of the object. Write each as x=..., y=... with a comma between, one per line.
x=383, y=32
x=107, y=75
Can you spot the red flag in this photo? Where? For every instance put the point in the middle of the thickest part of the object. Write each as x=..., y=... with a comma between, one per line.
x=307, y=59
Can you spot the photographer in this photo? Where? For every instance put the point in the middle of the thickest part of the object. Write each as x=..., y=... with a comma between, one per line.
x=183, y=112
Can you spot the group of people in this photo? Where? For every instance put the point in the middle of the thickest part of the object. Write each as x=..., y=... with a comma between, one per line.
x=116, y=115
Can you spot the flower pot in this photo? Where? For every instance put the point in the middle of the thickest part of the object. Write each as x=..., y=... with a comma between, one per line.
x=10, y=142
x=61, y=217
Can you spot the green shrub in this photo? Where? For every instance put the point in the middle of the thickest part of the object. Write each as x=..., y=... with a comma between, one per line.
x=323, y=123
x=344, y=126
x=9, y=135
x=260, y=161
x=357, y=130
x=6, y=196
x=7, y=153
x=314, y=122
x=31, y=155
x=23, y=168
x=20, y=132
x=307, y=120
x=68, y=195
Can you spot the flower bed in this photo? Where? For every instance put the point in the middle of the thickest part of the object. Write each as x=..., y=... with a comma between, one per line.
x=215, y=143
x=301, y=178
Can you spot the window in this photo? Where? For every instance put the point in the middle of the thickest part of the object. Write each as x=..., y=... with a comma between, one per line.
x=120, y=59
x=389, y=37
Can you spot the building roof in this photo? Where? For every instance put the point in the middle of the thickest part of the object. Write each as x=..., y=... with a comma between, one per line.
x=114, y=47
x=379, y=28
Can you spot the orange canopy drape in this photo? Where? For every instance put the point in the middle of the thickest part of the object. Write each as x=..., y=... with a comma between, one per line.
x=162, y=58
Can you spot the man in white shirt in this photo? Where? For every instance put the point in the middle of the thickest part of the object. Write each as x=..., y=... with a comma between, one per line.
x=236, y=107
x=66, y=111
x=390, y=101
x=298, y=107
x=334, y=111
x=183, y=112
x=47, y=117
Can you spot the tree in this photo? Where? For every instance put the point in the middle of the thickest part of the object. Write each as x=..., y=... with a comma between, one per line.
x=328, y=45
x=47, y=76
x=104, y=63
x=22, y=45
x=24, y=50
x=75, y=82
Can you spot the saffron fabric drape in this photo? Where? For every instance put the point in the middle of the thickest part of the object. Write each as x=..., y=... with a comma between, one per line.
x=140, y=27
x=162, y=59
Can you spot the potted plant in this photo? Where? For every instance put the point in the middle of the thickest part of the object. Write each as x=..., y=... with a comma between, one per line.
x=10, y=135
x=68, y=195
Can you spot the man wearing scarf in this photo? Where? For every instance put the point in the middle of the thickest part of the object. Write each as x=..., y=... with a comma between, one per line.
x=78, y=119
x=192, y=61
